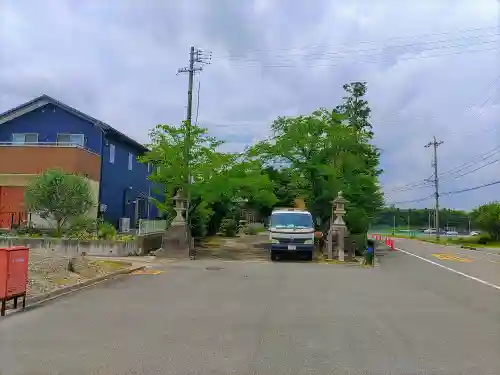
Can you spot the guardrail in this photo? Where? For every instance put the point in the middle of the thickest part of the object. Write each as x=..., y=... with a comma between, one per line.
x=151, y=226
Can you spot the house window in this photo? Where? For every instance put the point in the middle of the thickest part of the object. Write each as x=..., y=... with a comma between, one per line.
x=112, y=151
x=21, y=138
x=130, y=161
x=71, y=139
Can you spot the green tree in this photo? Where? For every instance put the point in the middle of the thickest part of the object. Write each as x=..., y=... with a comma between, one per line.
x=325, y=155
x=217, y=178
x=58, y=196
x=487, y=218
x=355, y=108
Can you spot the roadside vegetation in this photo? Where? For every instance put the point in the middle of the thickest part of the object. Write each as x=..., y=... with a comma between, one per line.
x=62, y=202
x=486, y=218
x=309, y=157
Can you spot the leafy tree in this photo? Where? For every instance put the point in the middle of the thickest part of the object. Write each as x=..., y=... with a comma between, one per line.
x=355, y=108
x=217, y=178
x=58, y=196
x=487, y=218
x=325, y=155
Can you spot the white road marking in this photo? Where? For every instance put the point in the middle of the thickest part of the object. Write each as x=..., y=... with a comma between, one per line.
x=450, y=269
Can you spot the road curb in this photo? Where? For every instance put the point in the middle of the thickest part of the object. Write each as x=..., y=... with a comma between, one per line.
x=34, y=302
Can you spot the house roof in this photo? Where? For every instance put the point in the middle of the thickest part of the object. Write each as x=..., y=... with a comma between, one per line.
x=45, y=99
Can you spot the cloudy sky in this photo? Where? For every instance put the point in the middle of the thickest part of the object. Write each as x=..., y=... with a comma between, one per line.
x=432, y=67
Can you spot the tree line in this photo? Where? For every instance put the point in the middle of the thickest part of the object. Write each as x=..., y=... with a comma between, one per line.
x=309, y=157
x=421, y=218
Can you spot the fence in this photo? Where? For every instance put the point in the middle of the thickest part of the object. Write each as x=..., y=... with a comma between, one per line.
x=151, y=226
x=8, y=220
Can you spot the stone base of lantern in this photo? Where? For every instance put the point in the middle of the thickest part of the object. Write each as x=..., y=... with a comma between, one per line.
x=175, y=245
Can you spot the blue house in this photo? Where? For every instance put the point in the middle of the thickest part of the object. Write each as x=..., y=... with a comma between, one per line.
x=45, y=133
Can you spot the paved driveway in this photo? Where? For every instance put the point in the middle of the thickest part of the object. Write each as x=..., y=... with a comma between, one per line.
x=203, y=317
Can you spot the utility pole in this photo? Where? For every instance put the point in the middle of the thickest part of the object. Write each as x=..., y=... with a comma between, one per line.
x=435, y=144
x=195, y=56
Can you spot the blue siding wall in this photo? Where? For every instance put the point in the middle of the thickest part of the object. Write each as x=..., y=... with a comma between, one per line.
x=120, y=186
x=116, y=179
x=49, y=120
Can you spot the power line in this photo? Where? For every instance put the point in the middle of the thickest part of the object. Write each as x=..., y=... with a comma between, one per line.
x=490, y=97
x=476, y=169
x=353, y=51
x=413, y=200
x=470, y=189
x=474, y=160
x=443, y=176
x=467, y=109
x=423, y=184
x=294, y=65
x=368, y=41
x=453, y=192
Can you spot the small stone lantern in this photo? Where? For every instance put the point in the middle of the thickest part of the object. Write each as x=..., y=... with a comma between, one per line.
x=179, y=209
x=339, y=209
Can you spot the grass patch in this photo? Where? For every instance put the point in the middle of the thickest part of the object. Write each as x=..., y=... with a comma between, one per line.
x=464, y=241
x=113, y=265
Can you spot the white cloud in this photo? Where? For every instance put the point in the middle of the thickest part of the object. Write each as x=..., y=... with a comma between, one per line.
x=117, y=61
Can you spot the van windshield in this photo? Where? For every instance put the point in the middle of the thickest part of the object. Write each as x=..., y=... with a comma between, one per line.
x=291, y=220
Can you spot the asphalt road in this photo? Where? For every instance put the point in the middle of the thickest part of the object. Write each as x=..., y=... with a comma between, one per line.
x=483, y=264
x=406, y=316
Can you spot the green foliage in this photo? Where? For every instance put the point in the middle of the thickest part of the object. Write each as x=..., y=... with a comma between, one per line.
x=229, y=227
x=82, y=226
x=419, y=218
x=326, y=152
x=321, y=154
x=218, y=178
x=58, y=196
x=355, y=109
x=483, y=240
x=107, y=231
x=487, y=218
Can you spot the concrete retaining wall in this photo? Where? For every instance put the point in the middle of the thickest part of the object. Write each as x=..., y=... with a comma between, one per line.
x=149, y=242
x=74, y=247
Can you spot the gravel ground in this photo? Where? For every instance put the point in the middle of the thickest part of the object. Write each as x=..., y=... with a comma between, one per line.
x=243, y=247
x=49, y=271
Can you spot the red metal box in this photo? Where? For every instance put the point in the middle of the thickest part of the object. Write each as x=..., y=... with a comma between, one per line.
x=13, y=271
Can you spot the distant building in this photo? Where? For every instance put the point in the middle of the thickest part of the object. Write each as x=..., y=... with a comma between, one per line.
x=45, y=133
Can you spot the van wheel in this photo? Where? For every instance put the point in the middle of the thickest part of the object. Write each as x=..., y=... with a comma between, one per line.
x=274, y=256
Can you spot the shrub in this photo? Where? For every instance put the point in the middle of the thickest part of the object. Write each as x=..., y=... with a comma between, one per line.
x=229, y=227
x=254, y=228
x=82, y=224
x=483, y=240
x=107, y=231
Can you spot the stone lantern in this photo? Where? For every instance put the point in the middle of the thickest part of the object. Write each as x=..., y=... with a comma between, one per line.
x=338, y=228
x=175, y=239
x=339, y=209
x=179, y=207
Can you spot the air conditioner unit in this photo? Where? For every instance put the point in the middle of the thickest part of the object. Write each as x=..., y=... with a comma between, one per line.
x=124, y=225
